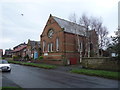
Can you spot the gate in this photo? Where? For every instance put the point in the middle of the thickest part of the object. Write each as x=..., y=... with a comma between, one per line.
x=73, y=61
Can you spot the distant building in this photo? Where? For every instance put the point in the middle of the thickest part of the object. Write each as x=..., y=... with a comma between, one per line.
x=63, y=41
x=33, y=49
x=8, y=53
x=1, y=53
x=19, y=50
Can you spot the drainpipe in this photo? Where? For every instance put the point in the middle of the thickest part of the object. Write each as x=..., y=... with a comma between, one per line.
x=80, y=50
x=64, y=45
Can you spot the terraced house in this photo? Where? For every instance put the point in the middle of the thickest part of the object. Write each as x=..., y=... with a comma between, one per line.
x=65, y=42
x=19, y=51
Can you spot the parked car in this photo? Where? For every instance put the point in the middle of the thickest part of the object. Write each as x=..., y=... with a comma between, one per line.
x=4, y=66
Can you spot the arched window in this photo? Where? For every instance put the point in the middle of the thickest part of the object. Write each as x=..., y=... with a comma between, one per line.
x=44, y=46
x=57, y=44
x=50, y=47
x=80, y=47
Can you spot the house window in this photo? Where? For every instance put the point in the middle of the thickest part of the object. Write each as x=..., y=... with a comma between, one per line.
x=50, y=47
x=80, y=47
x=57, y=44
x=43, y=46
x=50, y=33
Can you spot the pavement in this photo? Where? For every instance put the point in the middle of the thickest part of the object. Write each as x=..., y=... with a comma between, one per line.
x=68, y=68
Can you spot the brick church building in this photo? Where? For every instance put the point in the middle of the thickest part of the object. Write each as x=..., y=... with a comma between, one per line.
x=65, y=42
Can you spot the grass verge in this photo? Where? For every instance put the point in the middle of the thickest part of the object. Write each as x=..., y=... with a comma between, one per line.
x=45, y=66
x=11, y=88
x=100, y=73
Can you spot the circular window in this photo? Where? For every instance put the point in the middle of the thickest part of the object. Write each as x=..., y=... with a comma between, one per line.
x=50, y=33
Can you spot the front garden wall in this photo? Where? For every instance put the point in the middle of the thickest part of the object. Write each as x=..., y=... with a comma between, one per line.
x=105, y=63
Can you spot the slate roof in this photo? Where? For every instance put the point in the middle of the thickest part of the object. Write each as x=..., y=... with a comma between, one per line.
x=33, y=43
x=71, y=27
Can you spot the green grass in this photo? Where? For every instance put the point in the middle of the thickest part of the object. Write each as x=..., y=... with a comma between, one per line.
x=11, y=88
x=45, y=66
x=100, y=73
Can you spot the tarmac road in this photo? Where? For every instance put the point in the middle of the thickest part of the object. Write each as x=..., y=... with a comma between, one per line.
x=33, y=77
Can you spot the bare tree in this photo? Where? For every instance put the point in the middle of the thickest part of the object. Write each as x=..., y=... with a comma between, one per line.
x=102, y=38
x=85, y=21
x=102, y=32
x=73, y=18
x=92, y=23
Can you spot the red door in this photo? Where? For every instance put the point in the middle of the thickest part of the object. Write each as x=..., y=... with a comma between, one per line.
x=73, y=61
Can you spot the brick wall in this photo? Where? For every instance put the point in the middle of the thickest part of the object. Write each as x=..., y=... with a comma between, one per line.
x=58, y=62
x=94, y=41
x=58, y=33
x=71, y=48
x=101, y=63
x=68, y=47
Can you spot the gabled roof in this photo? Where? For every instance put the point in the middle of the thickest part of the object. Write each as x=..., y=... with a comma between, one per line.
x=19, y=48
x=70, y=27
x=33, y=43
x=19, y=45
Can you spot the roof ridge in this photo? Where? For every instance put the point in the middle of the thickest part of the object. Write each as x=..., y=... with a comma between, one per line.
x=70, y=26
x=69, y=21
x=34, y=41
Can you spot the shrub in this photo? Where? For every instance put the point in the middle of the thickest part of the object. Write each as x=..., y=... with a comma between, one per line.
x=26, y=57
x=40, y=57
x=3, y=57
x=15, y=57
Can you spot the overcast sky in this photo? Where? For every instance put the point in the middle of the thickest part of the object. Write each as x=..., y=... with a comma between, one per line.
x=16, y=29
